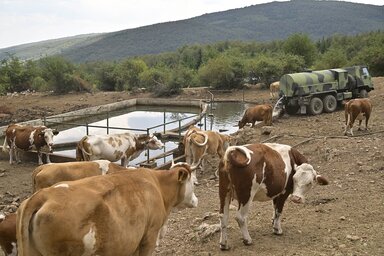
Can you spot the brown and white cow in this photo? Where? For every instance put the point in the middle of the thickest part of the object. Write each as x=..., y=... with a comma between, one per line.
x=49, y=174
x=122, y=213
x=274, y=89
x=8, y=234
x=27, y=137
x=125, y=147
x=257, y=113
x=261, y=172
x=357, y=109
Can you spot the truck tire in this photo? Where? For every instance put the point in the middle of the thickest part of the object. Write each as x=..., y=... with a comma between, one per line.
x=315, y=106
x=329, y=103
x=292, y=109
x=363, y=93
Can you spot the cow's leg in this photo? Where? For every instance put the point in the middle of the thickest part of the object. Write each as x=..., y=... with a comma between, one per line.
x=162, y=232
x=278, y=205
x=48, y=159
x=347, y=120
x=39, y=155
x=242, y=220
x=360, y=121
x=148, y=243
x=225, y=200
x=366, y=120
x=124, y=162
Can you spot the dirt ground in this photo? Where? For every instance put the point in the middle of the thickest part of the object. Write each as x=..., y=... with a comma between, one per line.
x=343, y=218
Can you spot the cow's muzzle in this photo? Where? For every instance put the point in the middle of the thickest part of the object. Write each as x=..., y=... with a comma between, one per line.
x=297, y=199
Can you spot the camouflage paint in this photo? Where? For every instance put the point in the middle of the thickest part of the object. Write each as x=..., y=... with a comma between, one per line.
x=317, y=82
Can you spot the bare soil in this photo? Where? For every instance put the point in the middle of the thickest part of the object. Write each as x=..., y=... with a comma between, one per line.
x=343, y=218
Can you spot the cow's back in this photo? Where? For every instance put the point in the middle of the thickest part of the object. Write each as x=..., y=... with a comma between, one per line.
x=100, y=210
x=50, y=174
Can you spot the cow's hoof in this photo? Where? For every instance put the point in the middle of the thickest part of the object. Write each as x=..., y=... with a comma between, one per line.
x=277, y=232
x=247, y=242
x=224, y=247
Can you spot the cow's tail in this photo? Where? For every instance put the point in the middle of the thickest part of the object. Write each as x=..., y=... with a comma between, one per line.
x=239, y=156
x=198, y=143
x=5, y=145
x=24, y=225
x=81, y=154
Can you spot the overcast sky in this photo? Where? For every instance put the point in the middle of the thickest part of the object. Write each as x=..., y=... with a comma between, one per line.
x=25, y=21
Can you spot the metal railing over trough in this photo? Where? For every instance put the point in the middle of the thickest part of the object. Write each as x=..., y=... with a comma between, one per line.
x=170, y=132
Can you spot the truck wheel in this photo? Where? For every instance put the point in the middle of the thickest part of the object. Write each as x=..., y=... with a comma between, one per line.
x=363, y=93
x=330, y=103
x=292, y=109
x=315, y=106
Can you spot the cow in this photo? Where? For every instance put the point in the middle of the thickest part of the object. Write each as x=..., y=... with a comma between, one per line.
x=357, y=109
x=274, y=89
x=122, y=213
x=49, y=174
x=125, y=147
x=203, y=143
x=262, y=172
x=27, y=137
x=257, y=113
x=186, y=141
x=8, y=234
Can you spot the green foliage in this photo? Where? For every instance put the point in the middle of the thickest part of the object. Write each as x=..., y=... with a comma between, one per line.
x=15, y=75
x=127, y=74
x=58, y=72
x=39, y=84
x=333, y=58
x=301, y=45
x=222, y=72
x=153, y=77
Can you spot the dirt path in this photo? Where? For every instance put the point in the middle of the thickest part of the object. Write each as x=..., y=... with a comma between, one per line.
x=343, y=218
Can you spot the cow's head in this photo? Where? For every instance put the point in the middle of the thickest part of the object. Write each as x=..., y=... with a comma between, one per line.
x=47, y=134
x=187, y=197
x=193, y=169
x=303, y=180
x=241, y=124
x=153, y=142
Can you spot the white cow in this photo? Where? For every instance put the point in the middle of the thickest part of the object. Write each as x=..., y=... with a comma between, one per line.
x=125, y=147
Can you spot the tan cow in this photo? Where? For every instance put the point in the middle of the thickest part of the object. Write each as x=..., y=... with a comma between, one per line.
x=49, y=174
x=257, y=113
x=262, y=172
x=204, y=143
x=357, y=109
x=274, y=89
x=8, y=234
x=186, y=141
x=27, y=137
x=122, y=213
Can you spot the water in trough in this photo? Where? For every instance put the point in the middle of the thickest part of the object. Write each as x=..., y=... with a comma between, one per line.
x=221, y=116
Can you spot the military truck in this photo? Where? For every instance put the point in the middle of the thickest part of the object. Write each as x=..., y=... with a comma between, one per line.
x=315, y=92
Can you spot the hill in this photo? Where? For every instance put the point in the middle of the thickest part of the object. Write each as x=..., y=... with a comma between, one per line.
x=263, y=22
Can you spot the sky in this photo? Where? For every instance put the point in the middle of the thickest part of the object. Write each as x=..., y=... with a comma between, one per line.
x=26, y=21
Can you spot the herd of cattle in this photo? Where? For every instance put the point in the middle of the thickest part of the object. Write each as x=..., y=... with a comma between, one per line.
x=96, y=207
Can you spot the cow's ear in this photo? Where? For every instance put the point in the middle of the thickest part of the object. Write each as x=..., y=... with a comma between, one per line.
x=183, y=175
x=321, y=180
x=55, y=132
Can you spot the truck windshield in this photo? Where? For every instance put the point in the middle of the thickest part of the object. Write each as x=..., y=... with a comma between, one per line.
x=365, y=72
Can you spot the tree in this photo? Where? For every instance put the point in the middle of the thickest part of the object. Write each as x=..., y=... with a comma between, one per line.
x=223, y=72
x=127, y=73
x=58, y=72
x=301, y=45
x=333, y=58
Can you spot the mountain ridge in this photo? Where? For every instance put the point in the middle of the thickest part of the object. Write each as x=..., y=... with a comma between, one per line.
x=262, y=22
